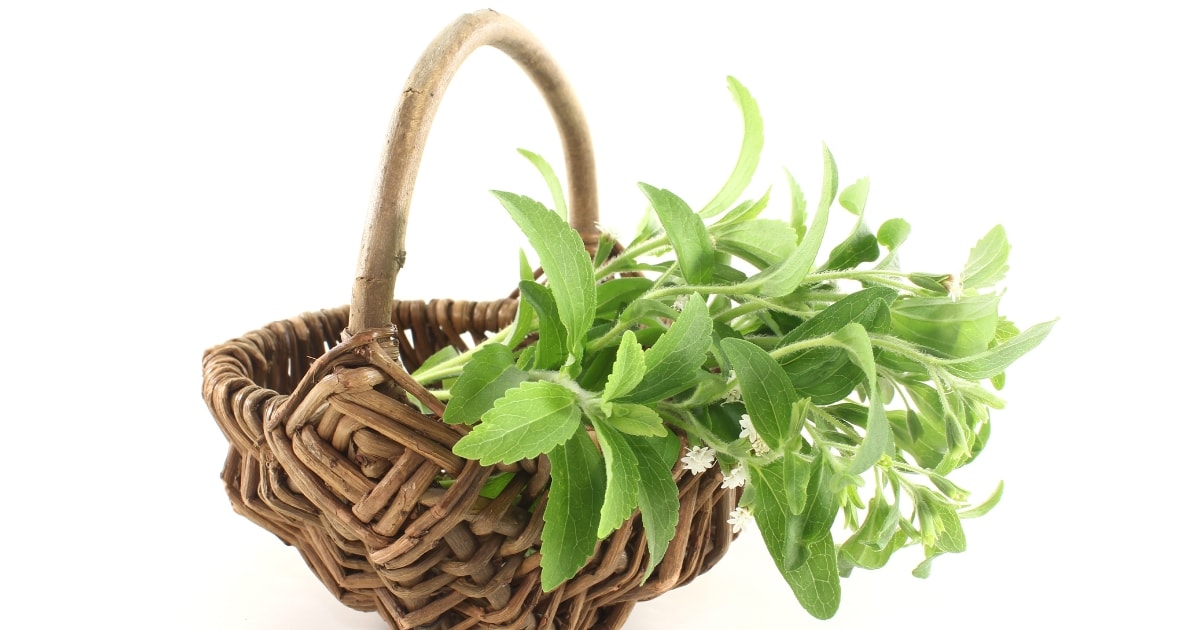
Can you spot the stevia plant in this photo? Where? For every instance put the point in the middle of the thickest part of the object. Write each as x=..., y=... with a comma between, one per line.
x=844, y=386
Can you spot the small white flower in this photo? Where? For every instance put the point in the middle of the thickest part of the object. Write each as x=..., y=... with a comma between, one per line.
x=757, y=445
x=954, y=287
x=680, y=302
x=748, y=431
x=735, y=478
x=738, y=518
x=698, y=459
x=735, y=393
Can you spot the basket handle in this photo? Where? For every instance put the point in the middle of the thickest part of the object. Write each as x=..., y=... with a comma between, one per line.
x=382, y=253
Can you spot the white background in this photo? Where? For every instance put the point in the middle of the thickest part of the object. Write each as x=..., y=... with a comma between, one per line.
x=172, y=176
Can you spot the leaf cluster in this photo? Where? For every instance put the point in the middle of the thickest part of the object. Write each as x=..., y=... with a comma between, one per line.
x=818, y=380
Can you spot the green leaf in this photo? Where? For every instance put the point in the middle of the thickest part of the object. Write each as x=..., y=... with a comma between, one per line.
x=941, y=528
x=622, y=479
x=858, y=248
x=821, y=509
x=597, y=366
x=825, y=373
x=869, y=557
x=572, y=509
x=673, y=362
x=881, y=524
x=563, y=257
x=646, y=311
x=647, y=227
x=604, y=247
x=636, y=419
x=766, y=390
x=854, y=197
x=931, y=282
x=689, y=238
x=783, y=278
x=994, y=361
x=528, y=421
x=988, y=261
x=551, y=349
x=435, y=359
x=799, y=206
x=950, y=538
x=495, y=485
x=485, y=378
x=523, y=323
x=922, y=570
x=859, y=306
x=820, y=584
x=658, y=496
x=760, y=242
x=547, y=172
x=747, y=162
x=745, y=211
x=878, y=437
x=809, y=567
x=853, y=337
x=893, y=232
x=954, y=329
x=986, y=506
x=628, y=370
x=796, y=473
x=614, y=295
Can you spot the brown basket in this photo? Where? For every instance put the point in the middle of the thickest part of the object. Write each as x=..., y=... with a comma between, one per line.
x=328, y=452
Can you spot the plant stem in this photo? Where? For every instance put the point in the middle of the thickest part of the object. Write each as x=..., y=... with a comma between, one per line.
x=630, y=254
x=453, y=366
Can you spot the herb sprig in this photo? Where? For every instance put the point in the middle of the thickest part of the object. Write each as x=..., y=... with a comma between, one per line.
x=810, y=384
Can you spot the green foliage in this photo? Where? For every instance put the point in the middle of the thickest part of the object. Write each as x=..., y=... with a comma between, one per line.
x=718, y=328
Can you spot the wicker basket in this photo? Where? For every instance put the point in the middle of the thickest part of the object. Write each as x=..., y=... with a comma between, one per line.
x=328, y=452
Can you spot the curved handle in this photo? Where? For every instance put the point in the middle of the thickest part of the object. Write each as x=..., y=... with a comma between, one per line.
x=382, y=252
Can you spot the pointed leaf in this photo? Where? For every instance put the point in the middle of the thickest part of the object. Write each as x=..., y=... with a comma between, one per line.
x=766, y=390
x=760, y=242
x=796, y=472
x=628, y=370
x=528, y=421
x=563, y=257
x=547, y=173
x=785, y=277
x=614, y=295
x=747, y=162
x=986, y=506
x=673, y=362
x=552, y=347
x=994, y=361
x=799, y=206
x=686, y=231
x=858, y=248
x=988, y=261
x=572, y=509
x=745, y=211
x=636, y=419
x=878, y=438
x=810, y=567
x=484, y=380
x=821, y=508
x=622, y=479
x=658, y=496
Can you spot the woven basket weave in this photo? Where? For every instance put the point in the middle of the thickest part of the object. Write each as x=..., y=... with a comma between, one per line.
x=329, y=452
